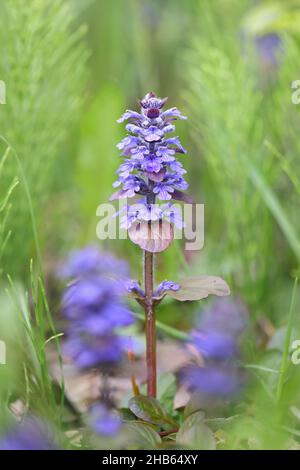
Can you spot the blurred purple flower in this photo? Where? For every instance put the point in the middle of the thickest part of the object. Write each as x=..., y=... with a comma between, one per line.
x=95, y=308
x=269, y=47
x=31, y=434
x=214, y=344
x=226, y=316
x=91, y=351
x=104, y=421
x=90, y=260
x=93, y=296
x=220, y=328
x=216, y=380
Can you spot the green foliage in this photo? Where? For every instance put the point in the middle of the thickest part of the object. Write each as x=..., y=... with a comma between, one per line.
x=232, y=116
x=194, y=434
x=43, y=66
x=243, y=162
x=5, y=207
x=141, y=436
x=34, y=333
x=149, y=409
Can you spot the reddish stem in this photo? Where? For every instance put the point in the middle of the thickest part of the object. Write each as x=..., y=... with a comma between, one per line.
x=150, y=323
x=167, y=433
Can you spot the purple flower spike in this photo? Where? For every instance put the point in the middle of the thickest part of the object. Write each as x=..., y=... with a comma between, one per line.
x=216, y=340
x=151, y=168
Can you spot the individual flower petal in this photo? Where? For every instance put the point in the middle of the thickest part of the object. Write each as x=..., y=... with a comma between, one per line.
x=163, y=191
x=165, y=286
x=133, y=287
x=166, y=153
x=139, y=152
x=87, y=351
x=130, y=115
x=128, y=142
x=172, y=112
x=127, y=167
x=176, y=142
x=153, y=134
x=157, y=177
x=151, y=165
x=168, y=128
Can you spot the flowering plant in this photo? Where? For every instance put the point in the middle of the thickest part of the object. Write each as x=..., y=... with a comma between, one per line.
x=152, y=172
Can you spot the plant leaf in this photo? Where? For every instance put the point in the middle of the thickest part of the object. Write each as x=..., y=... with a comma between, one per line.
x=141, y=435
x=126, y=414
x=166, y=389
x=154, y=237
x=149, y=409
x=197, y=288
x=195, y=434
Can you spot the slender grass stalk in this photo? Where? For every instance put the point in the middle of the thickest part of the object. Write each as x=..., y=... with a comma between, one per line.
x=287, y=341
x=40, y=286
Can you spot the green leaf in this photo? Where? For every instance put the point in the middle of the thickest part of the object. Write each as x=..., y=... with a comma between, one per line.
x=149, y=409
x=195, y=434
x=197, y=288
x=141, y=435
x=126, y=414
x=166, y=389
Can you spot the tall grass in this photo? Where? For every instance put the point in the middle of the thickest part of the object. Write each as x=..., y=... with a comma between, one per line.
x=233, y=114
x=43, y=66
x=5, y=207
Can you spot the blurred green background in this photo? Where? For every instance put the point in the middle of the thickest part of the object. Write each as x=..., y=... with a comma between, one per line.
x=71, y=68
